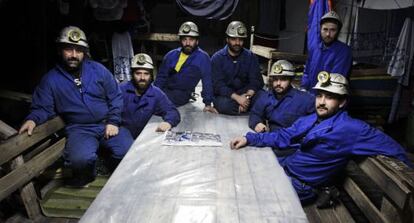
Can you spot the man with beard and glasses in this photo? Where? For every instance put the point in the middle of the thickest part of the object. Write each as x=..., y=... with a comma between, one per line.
x=325, y=141
x=182, y=69
x=236, y=73
x=329, y=55
x=87, y=97
x=142, y=99
x=282, y=104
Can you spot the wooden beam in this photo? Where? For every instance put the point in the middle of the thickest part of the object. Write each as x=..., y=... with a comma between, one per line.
x=387, y=181
x=19, y=143
x=362, y=201
x=262, y=51
x=369, y=72
x=292, y=57
x=23, y=174
x=16, y=96
x=167, y=37
x=27, y=192
x=6, y=131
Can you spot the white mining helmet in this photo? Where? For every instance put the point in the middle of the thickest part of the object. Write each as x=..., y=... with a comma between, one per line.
x=142, y=61
x=331, y=82
x=282, y=68
x=73, y=35
x=188, y=29
x=331, y=15
x=236, y=29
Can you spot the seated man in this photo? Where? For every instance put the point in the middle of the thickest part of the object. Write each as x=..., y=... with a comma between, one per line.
x=142, y=99
x=182, y=69
x=325, y=140
x=236, y=73
x=282, y=104
x=87, y=97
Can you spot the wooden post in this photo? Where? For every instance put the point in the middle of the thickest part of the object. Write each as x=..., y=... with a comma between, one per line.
x=27, y=192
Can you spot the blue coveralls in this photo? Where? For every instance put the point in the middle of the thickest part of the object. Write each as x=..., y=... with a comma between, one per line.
x=139, y=109
x=337, y=58
x=324, y=149
x=86, y=111
x=179, y=86
x=281, y=113
x=234, y=75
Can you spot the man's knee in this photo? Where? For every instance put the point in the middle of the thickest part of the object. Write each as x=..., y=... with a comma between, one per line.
x=226, y=106
x=120, y=144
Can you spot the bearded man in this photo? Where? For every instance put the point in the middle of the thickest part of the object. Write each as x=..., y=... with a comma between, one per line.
x=236, y=73
x=184, y=67
x=142, y=99
x=88, y=99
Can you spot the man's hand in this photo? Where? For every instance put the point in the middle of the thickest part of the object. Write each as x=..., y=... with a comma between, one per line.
x=111, y=130
x=163, y=126
x=211, y=109
x=260, y=127
x=28, y=126
x=238, y=142
x=242, y=100
x=250, y=93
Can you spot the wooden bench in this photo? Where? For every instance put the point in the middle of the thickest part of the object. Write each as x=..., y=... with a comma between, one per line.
x=25, y=157
x=391, y=178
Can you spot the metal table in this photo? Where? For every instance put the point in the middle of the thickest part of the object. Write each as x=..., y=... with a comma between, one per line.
x=162, y=184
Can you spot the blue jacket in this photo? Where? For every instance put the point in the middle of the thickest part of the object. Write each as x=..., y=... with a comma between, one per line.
x=196, y=67
x=281, y=113
x=139, y=109
x=335, y=59
x=324, y=149
x=235, y=76
x=98, y=101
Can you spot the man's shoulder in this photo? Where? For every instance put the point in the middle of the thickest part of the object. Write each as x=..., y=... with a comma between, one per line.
x=341, y=45
x=127, y=85
x=303, y=94
x=202, y=52
x=94, y=64
x=346, y=122
x=173, y=52
x=220, y=53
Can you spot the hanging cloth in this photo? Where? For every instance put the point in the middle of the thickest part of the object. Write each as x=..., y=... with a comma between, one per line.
x=210, y=9
x=122, y=52
x=401, y=64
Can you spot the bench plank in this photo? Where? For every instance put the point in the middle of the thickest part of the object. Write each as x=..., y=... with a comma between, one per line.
x=362, y=201
x=386, y=180
x=27, y=192
x=19, y=143
x=23, y=174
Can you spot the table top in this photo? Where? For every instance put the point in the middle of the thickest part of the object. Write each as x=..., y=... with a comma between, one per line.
x=156, y=183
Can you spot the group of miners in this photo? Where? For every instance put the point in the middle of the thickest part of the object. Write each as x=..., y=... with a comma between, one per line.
x=308, y=127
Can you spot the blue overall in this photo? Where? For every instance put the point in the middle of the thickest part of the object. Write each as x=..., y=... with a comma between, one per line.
x=139, y=109
x=281, y=113
x=234, y=75
x=178, y=86
x=86, y=111
x=337, y=58
x=324, y=149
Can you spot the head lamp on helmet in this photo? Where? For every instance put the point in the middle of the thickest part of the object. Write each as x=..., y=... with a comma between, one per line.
x=282, y=68
x=236, y=29
x=332, y=82
x=143, y=61
x=73, y=35
x=188, y=29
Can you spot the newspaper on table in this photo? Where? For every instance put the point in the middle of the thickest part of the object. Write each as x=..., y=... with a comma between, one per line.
x=189, y=138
